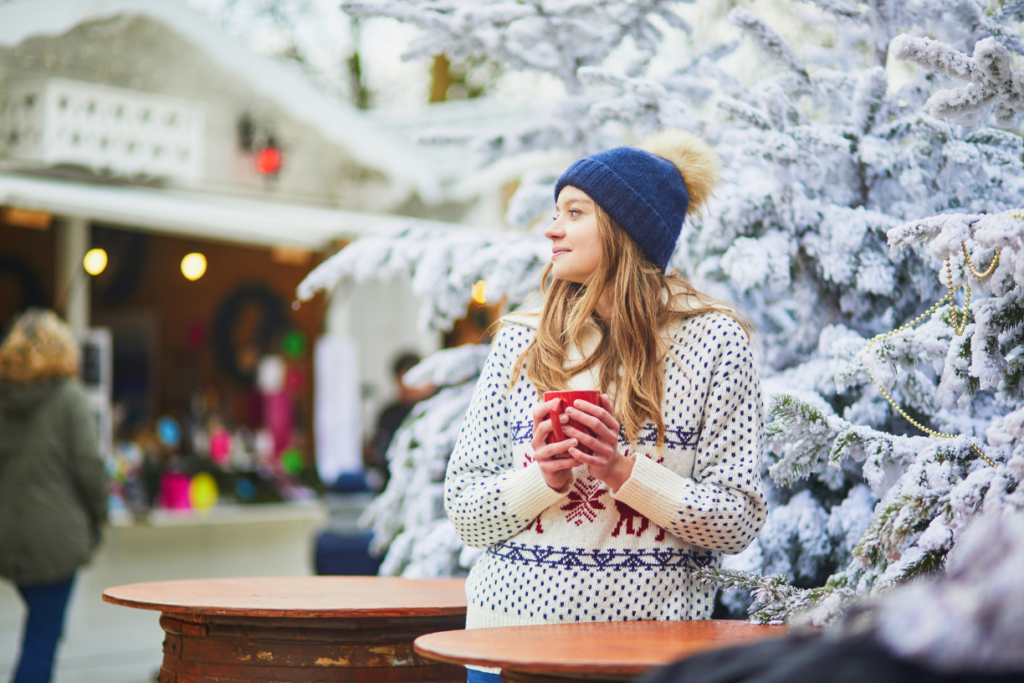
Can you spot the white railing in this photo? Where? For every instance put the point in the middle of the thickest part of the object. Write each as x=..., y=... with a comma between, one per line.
x=108, y=130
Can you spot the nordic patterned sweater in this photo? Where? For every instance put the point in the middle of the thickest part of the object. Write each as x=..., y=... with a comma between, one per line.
x=584, y=552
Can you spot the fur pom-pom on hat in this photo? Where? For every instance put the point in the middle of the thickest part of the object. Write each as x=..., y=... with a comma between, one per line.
x=649, y=191
x=695, y=159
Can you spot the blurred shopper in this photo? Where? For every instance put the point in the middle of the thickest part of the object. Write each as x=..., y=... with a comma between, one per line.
x=53, y=496
x=394, y=414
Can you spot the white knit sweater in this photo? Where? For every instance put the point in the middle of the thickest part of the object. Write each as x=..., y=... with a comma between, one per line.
x=585, y=553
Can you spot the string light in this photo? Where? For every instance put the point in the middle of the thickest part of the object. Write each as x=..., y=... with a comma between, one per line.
x=479, y=292
x=193, y=266
x=95, y=261
x=268, y=161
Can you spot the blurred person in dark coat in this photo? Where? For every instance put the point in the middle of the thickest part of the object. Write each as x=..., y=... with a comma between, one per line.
x=394, y=414
x=53, y=495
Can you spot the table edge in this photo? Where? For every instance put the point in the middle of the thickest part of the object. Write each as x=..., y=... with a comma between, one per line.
x=290, y=613
x=540, y=667
x=451, y=609
x=581, y=669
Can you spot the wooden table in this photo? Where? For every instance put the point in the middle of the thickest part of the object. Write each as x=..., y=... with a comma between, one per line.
x=316, y=628
x=606, y=651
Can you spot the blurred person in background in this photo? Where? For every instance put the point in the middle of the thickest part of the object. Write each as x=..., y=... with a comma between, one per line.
x=53, y=494
x=394, y=414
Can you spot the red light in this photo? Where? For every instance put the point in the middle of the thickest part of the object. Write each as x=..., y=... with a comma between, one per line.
x=268, y=161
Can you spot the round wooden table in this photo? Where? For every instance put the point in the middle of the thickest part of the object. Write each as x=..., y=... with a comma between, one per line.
x=605, y=651
x=316, y=628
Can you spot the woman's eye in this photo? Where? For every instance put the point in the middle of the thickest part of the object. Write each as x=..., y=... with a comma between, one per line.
x=574, y=212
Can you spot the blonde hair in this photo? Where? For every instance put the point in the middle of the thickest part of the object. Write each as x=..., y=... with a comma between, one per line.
x=40, y=346
x=632, y=351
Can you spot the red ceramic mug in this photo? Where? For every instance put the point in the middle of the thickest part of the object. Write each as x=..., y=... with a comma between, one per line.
x=569, y=398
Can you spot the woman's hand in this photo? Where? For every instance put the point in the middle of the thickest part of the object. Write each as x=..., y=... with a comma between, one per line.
x=555, y=462
x=606, y=464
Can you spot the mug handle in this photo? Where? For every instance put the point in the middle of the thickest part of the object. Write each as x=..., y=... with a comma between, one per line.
x=556, y=422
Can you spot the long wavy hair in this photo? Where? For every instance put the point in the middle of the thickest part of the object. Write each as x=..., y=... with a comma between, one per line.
x=633, y=348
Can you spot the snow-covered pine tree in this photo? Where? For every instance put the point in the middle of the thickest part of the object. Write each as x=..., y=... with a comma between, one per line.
x=831, y=427
x=931, y=488
x=821, y=162
x=441, y=262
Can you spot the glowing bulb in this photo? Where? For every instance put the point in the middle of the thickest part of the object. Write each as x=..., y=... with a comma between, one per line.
x=193, y=266
x=268, y=161
x=95, y=261
x=479, y=292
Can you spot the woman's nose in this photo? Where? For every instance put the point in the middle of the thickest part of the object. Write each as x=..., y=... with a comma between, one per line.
x=554, y=230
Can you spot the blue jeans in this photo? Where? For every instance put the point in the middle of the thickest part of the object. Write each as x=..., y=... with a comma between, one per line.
x=474, y=676
x=44, y=623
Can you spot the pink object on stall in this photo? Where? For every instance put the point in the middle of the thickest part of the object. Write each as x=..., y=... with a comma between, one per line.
x=294, y=379
x=277, y=417
x=220, y=446
x=174, y=491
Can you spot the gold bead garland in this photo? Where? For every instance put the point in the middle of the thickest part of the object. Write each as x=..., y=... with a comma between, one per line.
x=956, y=316
x=913, y=323
x=958, y=319
x=995, y=259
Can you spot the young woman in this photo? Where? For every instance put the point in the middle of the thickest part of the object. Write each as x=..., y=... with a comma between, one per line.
x=673, y=480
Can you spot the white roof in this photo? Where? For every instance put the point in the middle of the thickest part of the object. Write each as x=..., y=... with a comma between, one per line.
x=205, y=216
x=275, y=79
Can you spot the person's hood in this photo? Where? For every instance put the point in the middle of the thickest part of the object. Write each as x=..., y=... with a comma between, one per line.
x=18, y=399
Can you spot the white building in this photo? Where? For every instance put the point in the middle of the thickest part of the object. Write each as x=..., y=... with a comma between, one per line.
x=142, y=114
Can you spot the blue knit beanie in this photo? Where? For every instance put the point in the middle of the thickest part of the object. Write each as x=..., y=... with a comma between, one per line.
x=645, y=193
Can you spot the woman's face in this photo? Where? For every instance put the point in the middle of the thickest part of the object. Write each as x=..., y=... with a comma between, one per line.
x=575, y=238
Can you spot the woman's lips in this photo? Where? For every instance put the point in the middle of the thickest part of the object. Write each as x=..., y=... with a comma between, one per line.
x=555, y=253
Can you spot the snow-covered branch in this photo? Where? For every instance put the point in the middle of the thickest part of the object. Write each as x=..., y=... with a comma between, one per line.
x=555, y=38
x=442, y=262
x=770, y=42
x=449, y=367
x=993, y=83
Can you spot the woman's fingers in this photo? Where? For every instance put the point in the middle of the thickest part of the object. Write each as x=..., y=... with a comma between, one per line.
x=598, y=465
x=542, y=422
x=542, y=430
x=584, y=459
x=601, y=413
x=542, y=411
x=559, y=464
x=592, y=442
x=555, y=451
x=597, y=423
